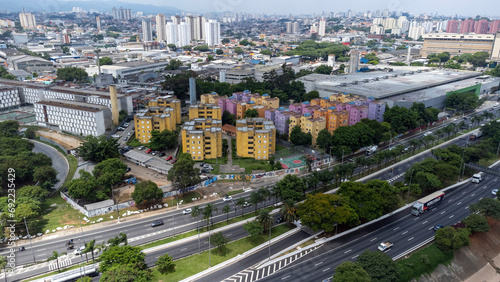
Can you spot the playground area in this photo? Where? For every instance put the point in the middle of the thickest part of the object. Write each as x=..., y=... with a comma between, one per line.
x=20, y=116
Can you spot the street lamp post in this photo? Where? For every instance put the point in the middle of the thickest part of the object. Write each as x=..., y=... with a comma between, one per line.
x=409, y=186
x=270, y=224
x=29, y=237
x=209, y=253
x=173, y=215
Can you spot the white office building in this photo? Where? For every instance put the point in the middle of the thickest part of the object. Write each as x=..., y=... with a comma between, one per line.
x=147, y=31
x=75, y=117
x=321, y=28
x=171, y=30
x=9, y=97
x=415, y=32
x=212, y=27
x=27, y=20
x=184, y=34
x=161, y=32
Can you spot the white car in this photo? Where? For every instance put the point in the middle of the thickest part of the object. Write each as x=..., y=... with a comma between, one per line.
x=228, y=198
x=494, y=192
x=79, y=251
x=186, y=211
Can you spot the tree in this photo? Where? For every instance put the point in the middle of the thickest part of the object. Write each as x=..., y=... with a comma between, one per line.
x=228, y=118
x=238, y=50
x=117, y=240
x=146, y=192
x=291, y=187
x=202, y=48
x=114, y=166
x=226, y=209
x=165, y=140
x=254, y=229
x=466, y=101
x=220, y=241
x=401, y=118
x=366, y=202
x=350, y=271
x=325, y=211
x=172, y=46
x=429, y=182
x=173, y=65
x=266, y=52
x=244, y=42
x=251, y=113
x=323, y=69
x=379, y=266
x=208, y=212
x=126, y=273
x=187, y=48
x=3, y=265
x=116, y=255
x=219, y=52
x=98, y=149
x=225, y=41
x=183, y=173
x=476, y=223
x=195, y=213
x=324, y=140
x=479, y=59
x=30, y=133
x=449, y=238
x=90, y=248
x=241, y=202
x=105, y=61
x=487, y=207
x=72, y=74
x=9, y=128
x=265, y=218
x=289, y=211
x=300, y=138
x=255, y=199
x=32, y=192
x=165, y=264
x=310, y=95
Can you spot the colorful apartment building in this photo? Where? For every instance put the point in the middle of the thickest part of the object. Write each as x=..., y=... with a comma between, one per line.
x=255, y=138
x=170, y=102
x=202, y=138
x=241, y=108
x=211, y=98
x=210, y=111
x=153, y=118
x=310, y=124
x=261, y=110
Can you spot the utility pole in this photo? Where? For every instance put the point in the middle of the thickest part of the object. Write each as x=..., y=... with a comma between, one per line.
x=173, y=215
x=409, y=186
x=270, y=225
x=29, y=237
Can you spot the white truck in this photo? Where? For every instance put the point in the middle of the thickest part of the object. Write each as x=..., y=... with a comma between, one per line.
x=476, y=178
x=384, y=246
x=370, y=150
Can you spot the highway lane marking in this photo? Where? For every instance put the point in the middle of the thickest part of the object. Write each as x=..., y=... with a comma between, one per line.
x=459, y=203
x=411, y=238
x=464, y=192
x=416, y=218
x=404, y=232
x=443, y=212
x=355, y=256
x=424, y=222
x=484, y=188
x=318, y=263
x=229, y=234
x=395, y=228
x=449, y=201
x=157, y=257
x=373, y=239
x=472, y=195
x=451, y=216
x=41, y=255
x=431, y=228
x=41, y=250
x=285, y=277
x=184, y=249
x=347, y=251
x=100, y=236
x=466, y=207
x=480, y=198
x=326, y=269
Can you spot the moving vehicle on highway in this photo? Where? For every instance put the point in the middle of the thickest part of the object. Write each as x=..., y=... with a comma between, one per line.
x=476, y=178
x=157, y=223
x=370, y=150
x=426, y=203
x=384, y=246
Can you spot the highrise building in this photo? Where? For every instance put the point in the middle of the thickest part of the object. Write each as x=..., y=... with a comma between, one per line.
x=494, y=26
x=161, y=32
x=467, y=26
x=288, y=27
x=176, y=19
x=295, y=27
x=415, y=32
x=481, y=26
x=353, y=62
x=389, y=23
x=441, y=26
x=147, y=31
x=199, y=28
x=98, y=22
x=452, y=26
x=402, y=23
x=190, y=21
x=321, y=28
x=172, y=34
x=27, y=20
x=121, y=14
x=212, y=28
x=184, y=34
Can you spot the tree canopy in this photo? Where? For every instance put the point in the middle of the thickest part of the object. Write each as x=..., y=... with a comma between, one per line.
x=98, y=149
x=251, y=113
x=300, y=138
x=163, y=140
x=72, y=74
x=146, y=192
x=379, y=266
x=105, y=61
x=350, y=271
x=291, y=187
x=183, y=173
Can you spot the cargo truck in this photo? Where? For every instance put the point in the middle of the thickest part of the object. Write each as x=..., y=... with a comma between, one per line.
x=476, y=178
x=384, y=246
x=426, y=203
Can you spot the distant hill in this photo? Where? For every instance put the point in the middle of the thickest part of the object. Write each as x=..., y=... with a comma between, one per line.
x=101, y=6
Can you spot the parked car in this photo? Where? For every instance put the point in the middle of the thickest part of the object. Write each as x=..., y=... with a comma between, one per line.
x=148, y=151
x=129, y=133
x=157, y=223
x=79, y=251
x=140, y=148
x=126, y=124
x=168, y=158
x=115, y=136
x=173, y=161
x=202, y=164
x=228, y=198
x=279, y=220
x=154, y=153
x=204, y=171
x=162, y=154
x=120, y=128
x=246, y=204
x=494, y=192
x=128, y=169
x=186, y=211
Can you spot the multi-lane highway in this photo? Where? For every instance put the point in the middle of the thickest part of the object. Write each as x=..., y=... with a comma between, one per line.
x=404, y=230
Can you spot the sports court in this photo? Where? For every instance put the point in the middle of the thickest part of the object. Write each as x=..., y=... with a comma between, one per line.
x=292, y=162
x=21, y=117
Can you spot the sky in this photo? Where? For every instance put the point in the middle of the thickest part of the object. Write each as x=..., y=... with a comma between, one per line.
x=443, y=7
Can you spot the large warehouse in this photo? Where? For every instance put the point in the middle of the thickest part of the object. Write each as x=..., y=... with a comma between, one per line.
x=403, y=86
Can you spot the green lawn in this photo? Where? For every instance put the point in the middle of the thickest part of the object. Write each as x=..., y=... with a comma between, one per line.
x=251, y=164
x=423, y=261
x=235, y=192
x=279, y=147
x=222, y=160
x=134, y=142
x=191, y=265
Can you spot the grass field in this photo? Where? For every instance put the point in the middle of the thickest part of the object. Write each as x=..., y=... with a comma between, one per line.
x=251, y=164
x=191, y=265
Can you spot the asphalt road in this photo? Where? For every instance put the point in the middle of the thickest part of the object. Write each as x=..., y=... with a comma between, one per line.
x=58, y=161
x=404, y=230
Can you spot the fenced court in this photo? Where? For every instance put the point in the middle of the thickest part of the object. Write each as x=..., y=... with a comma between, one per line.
x=291, y=162
x=21, y=117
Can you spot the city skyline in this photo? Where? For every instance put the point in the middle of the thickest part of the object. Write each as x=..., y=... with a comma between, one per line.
x=447, y=7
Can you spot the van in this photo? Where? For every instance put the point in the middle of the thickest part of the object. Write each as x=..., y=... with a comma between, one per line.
x=116, y=136
x=427, y=133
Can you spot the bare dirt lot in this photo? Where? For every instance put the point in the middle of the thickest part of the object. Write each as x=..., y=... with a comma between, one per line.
x=67, y=141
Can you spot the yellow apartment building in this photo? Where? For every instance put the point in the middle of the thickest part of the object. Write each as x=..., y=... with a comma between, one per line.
x=293, y=121
x=255, y=138
x=308, y=123
x=336, y=119
x=261, y=110
x=202, y=138
x=170, y=102
x=241, y=108
x=210, y=98
x=209, y=111
x=153, y=118
x=343, y=98
x=271, y=103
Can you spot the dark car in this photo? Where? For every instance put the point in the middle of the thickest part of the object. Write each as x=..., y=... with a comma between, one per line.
x=279, y=220
x=157, y=223
x=173, y=161
x=204, y=171
x=128, y=169
x=162, y=154
x=437, y=227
